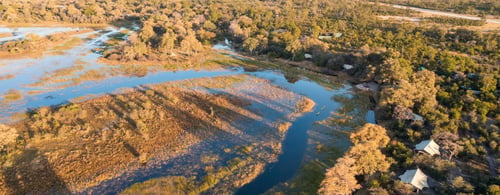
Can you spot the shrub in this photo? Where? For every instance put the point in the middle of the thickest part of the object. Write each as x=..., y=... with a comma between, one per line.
x=8, y=138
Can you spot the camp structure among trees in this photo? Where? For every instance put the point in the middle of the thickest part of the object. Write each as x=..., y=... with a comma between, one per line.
x=428, y=146
x=415, y=177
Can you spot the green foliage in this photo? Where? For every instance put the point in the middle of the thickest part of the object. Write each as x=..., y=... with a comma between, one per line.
x=456, y=21
x=402, y=154
x=432, y=71
x=364, y=158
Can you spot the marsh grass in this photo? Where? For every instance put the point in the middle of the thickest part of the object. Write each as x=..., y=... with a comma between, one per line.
x=304, y=105
x=353, y=110
x=36, y=46
x=59, y=49
x=185, y=185
x=58, y=76
x=312, y=173
x=219, y=83
x=7, y=77
x=116, y=131
x=3, y=35
x=283, y=126
x=298, y=73
x=12, y=95
x=91, y=75
x=210, y=159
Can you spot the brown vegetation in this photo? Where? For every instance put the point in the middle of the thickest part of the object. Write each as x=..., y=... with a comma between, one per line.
x=12, y=95
x=244, y=170
x=283, y=127
x=80, y=145
x=364, y=158
x=34, y=45
x=8, y=138
x=304, y=105
x=3, y=35
x=7, y=77
x=155, y=122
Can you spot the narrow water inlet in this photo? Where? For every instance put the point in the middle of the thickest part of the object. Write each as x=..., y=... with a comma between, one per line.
x=295, y=143
x=294, y=147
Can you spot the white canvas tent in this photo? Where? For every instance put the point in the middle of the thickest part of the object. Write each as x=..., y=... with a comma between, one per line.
x=416, y=178
x=416, y=117
x=348, y=66
x=428, y=146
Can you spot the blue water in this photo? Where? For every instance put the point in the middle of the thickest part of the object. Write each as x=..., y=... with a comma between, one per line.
x=29, y=71
x=295, y=143
x=293, y=147
x=21, y=32
x=370, y=117
x=110, y=85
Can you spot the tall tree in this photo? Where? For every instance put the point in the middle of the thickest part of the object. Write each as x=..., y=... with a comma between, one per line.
x=393, y=70
x=293, y=47
x=190, y=44
x=449, y=143
x=251, y=44
x=363, y=158
x=370, y=135
x=340, y=179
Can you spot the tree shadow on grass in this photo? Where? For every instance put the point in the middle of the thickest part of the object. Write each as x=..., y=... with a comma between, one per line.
x=196, y=121
x=31, y=173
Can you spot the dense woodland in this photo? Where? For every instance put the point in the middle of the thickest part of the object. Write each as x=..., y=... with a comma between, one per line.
x=450, y=76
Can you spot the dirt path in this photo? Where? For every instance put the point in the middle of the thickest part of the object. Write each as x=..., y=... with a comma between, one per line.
x=442, y=13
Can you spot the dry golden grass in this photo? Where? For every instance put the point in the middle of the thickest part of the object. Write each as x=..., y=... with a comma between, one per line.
x=12, y=95
x=205, y=60
x=102, y=138
x=7, y=77
x=304, y=105
x=56, y=43
x=284, y=126
x=3, y=35
x=92, y=141
x=8, y=136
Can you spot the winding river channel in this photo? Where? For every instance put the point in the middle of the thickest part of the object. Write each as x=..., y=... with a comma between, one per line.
x=36, y=81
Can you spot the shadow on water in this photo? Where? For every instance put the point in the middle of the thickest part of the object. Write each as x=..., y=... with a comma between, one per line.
x=288, y=163
x=32, y=173
x=21, y=179
x=295, y=143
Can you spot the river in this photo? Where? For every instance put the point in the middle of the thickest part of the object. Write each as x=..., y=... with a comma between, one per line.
x=33, y=79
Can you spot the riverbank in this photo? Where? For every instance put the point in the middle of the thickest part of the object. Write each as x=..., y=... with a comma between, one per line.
x=33, y=46
x=64, y=147
x=174, y=117
x=53, y=24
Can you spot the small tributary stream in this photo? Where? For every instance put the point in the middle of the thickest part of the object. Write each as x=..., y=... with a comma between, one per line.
x=295, y=143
